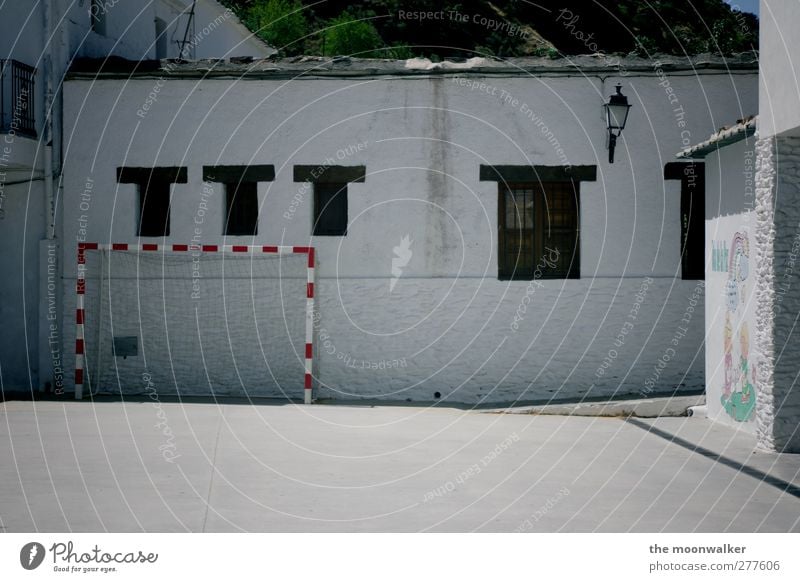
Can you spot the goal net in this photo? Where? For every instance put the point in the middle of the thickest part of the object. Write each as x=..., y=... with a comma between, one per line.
x=224, y=321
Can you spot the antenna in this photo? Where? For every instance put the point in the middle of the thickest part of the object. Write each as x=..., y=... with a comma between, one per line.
x=182, y=44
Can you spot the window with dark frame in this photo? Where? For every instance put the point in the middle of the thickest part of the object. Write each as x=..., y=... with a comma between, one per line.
x=154, y=189
x=241, y=194
x=538, y=226
x=154, y=203
x=330, y=195
x=693, y=222
x=330, y=209
x=242, y=209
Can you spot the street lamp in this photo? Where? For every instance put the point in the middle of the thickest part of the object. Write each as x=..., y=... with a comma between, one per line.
x=616, y=115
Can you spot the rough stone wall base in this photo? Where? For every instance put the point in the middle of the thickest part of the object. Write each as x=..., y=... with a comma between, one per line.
x=778, y=292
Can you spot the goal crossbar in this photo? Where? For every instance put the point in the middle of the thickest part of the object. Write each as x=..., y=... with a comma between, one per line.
x=80, y=314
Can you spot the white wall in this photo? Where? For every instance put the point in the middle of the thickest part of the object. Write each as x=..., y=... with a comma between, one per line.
x=21, y=226
x=21, y=207
x=423, y=142
x=777, y=193
x=779, y=45
x=130, y=31
x=231, y=39
x=130, y=34
x=22, y=39
x=778, y=237
x=731, y=327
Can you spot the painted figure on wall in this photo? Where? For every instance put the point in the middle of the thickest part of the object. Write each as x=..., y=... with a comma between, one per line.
x=739, y=260
x=728, y=361
x=741, y=403
x=719, y=256
x=738, y=391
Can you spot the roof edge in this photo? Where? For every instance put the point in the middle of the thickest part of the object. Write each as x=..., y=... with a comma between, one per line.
x=724, y=137
x=347, y=67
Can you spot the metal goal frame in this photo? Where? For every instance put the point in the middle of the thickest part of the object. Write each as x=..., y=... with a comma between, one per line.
x=80, y=314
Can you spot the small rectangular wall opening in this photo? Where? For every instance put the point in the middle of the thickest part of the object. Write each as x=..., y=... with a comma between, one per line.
x=154, y=209
x=692, y=217
x=242, y=209
x=330, y=209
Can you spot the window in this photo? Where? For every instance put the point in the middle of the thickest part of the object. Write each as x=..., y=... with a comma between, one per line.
x=154, y=208
x=330, y=209
x=693, y=222
x=97, y=16
x=17, y=91
x=330, y=195
x=154, y=188
x=538, y=219
x=538, y=230
x=241, y=194
x=242, y=209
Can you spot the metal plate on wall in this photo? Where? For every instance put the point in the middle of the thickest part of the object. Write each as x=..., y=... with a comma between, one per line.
x=126, y=345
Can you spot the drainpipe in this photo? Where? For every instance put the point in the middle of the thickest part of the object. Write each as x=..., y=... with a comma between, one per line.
x=48, y=371
x=48, y=189
x=47, y=130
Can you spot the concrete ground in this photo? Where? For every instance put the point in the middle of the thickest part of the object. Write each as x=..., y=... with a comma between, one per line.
x=143, y=466
x=641, y=408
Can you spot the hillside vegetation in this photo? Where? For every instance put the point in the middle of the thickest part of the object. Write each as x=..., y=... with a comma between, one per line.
x=503, y=28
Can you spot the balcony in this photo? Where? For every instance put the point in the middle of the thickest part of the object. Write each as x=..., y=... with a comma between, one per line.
x=17, y=98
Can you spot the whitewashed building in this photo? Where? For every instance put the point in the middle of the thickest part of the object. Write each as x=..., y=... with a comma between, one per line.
x=778, y=227
x=753, y=247
x=39, y=40
x=472, y=241
x=727, y=160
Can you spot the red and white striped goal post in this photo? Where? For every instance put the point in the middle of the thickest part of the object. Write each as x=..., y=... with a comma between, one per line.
x=183, y=248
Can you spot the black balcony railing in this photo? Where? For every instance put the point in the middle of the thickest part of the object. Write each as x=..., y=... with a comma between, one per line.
x=17, y=98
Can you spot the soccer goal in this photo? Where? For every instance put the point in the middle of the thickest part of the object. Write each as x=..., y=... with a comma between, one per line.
x=192, y=320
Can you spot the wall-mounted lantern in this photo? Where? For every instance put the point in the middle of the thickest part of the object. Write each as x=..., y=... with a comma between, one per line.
x=616, y=115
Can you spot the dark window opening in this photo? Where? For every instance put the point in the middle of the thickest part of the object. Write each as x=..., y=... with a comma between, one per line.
x=538, y=230
x=330, y=209
x=242, y=209
x=153, y=185
x=693, y=233
x=154, y=206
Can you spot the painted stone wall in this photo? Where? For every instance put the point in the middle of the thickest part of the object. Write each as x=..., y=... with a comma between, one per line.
x=428, y=318
x=35, y=361
x=731, y=385
x=480, y=341
x=778, y=194
x=779, y=99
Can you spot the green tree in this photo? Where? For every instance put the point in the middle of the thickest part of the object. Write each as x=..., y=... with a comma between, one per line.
x=345, y=35
x=281, y=23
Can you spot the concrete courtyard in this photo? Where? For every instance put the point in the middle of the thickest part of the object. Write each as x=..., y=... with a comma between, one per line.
x=144, y=466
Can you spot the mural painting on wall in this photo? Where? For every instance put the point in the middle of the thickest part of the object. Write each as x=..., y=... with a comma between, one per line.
x=738, y=394
x=719, y=256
